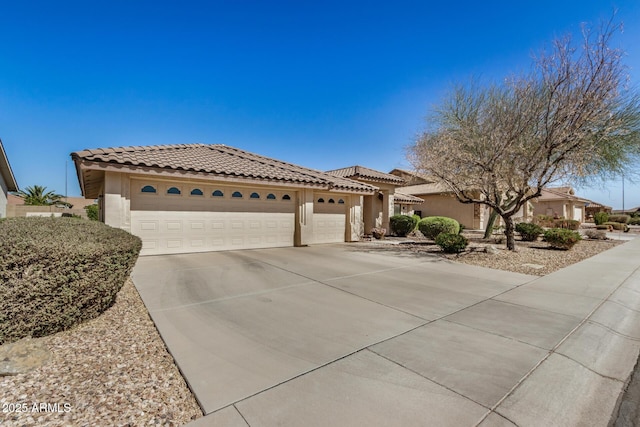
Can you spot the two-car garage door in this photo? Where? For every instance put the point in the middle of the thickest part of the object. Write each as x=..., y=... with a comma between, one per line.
x=172, y=218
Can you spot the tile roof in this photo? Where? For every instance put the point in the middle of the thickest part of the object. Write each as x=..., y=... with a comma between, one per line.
x=6, y=172
x=559, y=193
x=220, y=160
x=360, y=172
x=406, y=198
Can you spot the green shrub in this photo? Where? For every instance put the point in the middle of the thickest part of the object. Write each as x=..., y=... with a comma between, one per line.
x=92, y=212
x=431, y=226
x=57, y=272
x=451, y=243
x=600, y=217
x=569, y=224
x=528, y=231
x=561, y=238
x=634, y=221
x=617, y=226
x=402, y=225
x=623, y=219
x=417, y=218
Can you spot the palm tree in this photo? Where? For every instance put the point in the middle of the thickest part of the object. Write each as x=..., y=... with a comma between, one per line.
x=38, y=196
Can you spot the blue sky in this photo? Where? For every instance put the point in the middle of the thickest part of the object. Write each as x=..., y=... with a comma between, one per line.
x=321, y=84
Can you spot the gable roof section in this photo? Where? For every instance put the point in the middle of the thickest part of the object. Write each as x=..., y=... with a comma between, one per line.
x=399, y=197
x=6, y=172
x=559, y=193
x=366, y=174
x=411, y=177
x=215, y=160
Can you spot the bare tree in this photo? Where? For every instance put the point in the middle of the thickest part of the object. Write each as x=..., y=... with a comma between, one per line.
x=571, y=119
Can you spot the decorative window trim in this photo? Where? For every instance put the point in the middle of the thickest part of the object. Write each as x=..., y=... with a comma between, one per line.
x=320, y=200
x=341, y=202
x=271, y=196
x=217, y=193
x=149, y=189
x=174, y=191
x=331, y=201
x=236, y=195
x=196, y=192
x=254, y=195
x=286, y=197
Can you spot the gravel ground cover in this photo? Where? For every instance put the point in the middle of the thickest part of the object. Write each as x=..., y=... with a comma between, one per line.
x=113, y=370
x=535, y=258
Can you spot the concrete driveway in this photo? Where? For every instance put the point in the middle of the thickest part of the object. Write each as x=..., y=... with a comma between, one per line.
x=334, y=335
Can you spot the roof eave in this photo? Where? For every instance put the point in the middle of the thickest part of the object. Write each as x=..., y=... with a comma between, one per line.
x=5, y=170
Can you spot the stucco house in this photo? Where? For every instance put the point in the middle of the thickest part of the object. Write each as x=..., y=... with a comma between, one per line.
x=440, y=201
x=197, y=197
x=560, y=202
x=387, y=201
x=7, y=181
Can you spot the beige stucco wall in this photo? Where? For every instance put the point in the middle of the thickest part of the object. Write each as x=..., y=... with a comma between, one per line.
x=3, y=197
x=559, y=208
x=24, y=210
x=470, y=215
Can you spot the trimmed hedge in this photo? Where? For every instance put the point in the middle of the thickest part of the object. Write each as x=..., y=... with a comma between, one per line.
x=529, y=232
x=624, y=219
x=432, y=226
x=451, y=243
x=600, y=218
x=634, y=221
x=617, y=226
x=402, y=225
x=561, y=238
x=57, y=272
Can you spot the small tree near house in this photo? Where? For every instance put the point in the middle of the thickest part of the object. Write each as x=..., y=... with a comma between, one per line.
x=571, y=119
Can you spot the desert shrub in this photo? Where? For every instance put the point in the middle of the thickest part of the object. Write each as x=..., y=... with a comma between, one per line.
x=92, y=212
x=431, y=226
x=604, y=227
x=417, y=218
x=617, y=226
x=561, y=238
x=543, y=220
x=600, y=217
x=623, y=219
x=528, y=232
x=569, y=224
x=402, y=225
x=596, y=234
x=57, y=272
x=634, y=221
x=451, y=243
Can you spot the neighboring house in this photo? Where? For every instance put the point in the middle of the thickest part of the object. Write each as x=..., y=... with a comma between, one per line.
x=17, y=208
x=560, y=202
x=592, y=208
x=197, y=198
x=7, y=181
x=627, y=211
x=440, y=201
x=378, y=208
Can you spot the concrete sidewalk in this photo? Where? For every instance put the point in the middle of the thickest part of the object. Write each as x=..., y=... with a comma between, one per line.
x=552, y=351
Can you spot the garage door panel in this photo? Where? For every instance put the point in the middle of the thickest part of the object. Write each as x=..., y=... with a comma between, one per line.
x=328, y=228
x=180, y=232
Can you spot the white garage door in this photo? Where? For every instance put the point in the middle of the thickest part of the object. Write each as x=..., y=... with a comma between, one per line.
x=195, y=218
x=329, y=219
x=577, y=214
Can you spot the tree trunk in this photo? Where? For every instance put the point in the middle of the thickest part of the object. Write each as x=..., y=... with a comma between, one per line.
x=509, y=231
x=488, y=231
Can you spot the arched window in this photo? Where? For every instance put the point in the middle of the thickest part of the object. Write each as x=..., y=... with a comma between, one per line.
x=237, y=195
x=254, y=196
x=286, y=197
x=148, y=189
x=331, y=201
x=217, y=193
x=320, y=200
x=271, y=196
x=197, y=192
x=173, y=190
x=341, y=202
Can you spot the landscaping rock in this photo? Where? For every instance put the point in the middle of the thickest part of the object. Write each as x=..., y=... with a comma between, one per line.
x=490, y=249
x=23, y=356
x=534, y=266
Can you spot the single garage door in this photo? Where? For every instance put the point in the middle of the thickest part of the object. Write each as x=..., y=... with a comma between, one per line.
x=184, y=218
x=577, y=214
x=329, y=219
